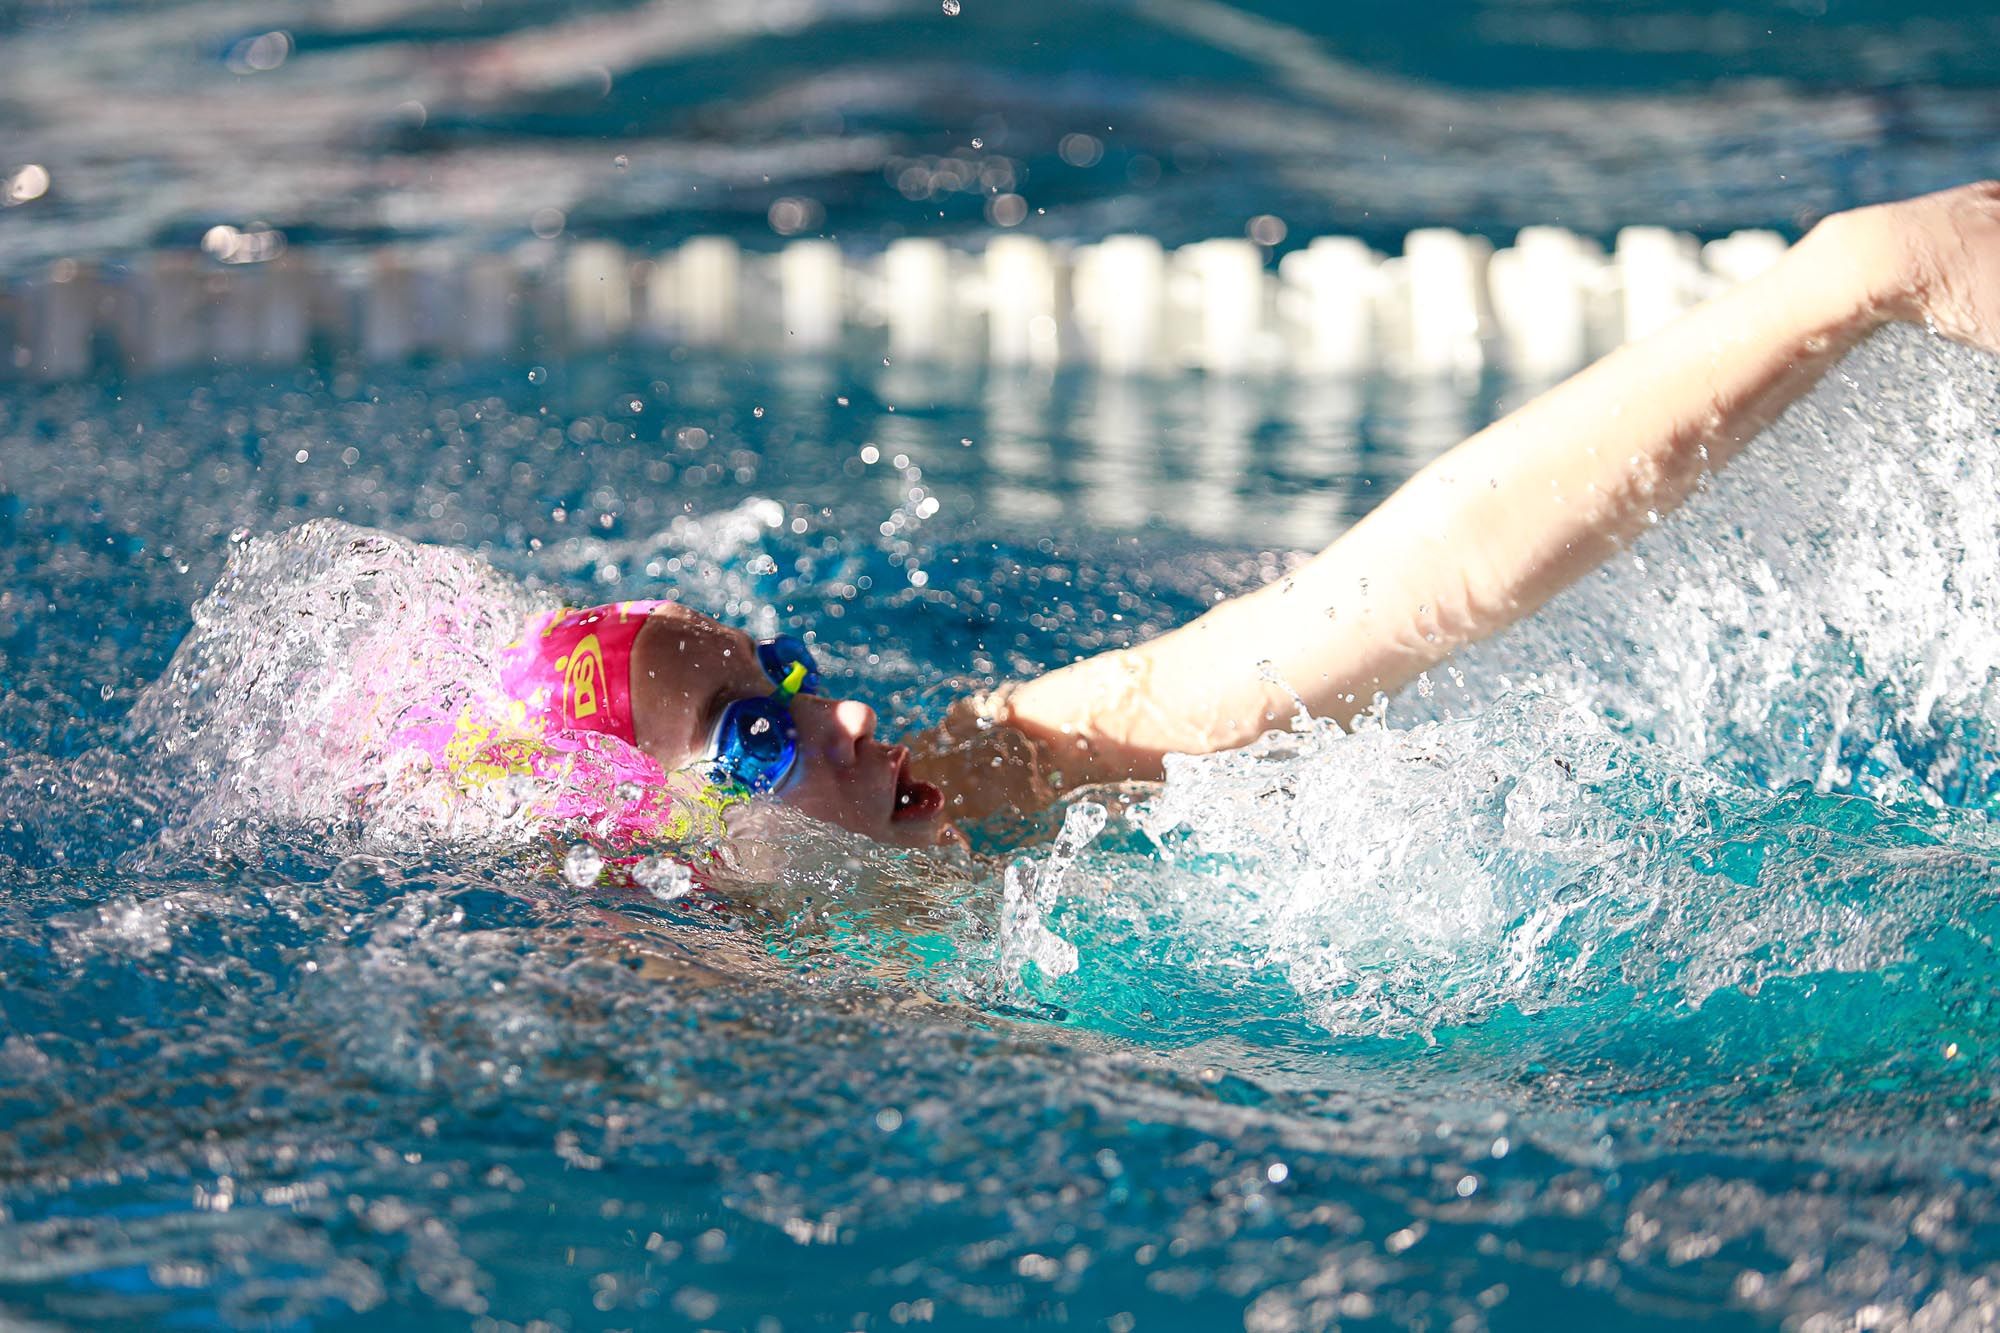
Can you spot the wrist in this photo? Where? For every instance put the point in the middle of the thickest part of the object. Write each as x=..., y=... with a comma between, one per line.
x=1868, y=262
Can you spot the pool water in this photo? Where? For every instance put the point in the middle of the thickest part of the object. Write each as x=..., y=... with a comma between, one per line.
x=1637, y=971
x=484, y=122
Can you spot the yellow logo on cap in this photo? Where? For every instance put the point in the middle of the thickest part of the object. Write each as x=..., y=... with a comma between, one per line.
x=584, y=678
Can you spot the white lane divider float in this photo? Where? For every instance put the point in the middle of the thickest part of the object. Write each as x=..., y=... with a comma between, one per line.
x=1450, y=306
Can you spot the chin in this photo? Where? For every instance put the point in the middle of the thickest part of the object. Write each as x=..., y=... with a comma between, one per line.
x=915, y=833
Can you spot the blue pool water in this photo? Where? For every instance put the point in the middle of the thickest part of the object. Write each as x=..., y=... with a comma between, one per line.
x=461, y=121
x=1638, y=971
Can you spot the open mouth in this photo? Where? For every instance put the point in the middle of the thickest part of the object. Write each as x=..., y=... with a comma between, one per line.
x=914, y=799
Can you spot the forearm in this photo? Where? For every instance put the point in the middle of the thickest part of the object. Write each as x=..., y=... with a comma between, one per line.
x=1492, y=530
x=1485, y=534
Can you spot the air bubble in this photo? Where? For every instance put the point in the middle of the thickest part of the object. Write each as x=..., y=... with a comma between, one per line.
x=663, y=877
x=581, y=866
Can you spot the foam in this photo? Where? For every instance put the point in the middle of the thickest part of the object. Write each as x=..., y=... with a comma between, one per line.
x=1650, y=787
x=318, y=645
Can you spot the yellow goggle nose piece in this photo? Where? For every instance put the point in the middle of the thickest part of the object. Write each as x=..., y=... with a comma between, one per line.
x=789, y=686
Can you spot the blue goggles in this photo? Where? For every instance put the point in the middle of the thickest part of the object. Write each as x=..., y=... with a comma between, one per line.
x=755, y=743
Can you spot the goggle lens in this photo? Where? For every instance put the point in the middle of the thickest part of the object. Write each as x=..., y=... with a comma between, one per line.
x=756, y=743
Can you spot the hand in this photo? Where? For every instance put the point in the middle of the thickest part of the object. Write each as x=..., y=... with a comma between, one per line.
x=1934, y=259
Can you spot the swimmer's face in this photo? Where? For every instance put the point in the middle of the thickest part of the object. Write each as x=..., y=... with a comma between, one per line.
x=686, y=668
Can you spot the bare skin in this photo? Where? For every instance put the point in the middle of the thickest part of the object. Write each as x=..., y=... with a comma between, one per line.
x=686, y=667
x=1477, y=540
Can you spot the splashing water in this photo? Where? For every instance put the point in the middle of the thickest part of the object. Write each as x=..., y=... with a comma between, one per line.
x=581, y=865
x=1824, y=613
x=1591, y=808
x=320, y=648
x=1031, y=892
x=664, y=878
x=1529, y=858
x=1622, y=976
x=312, y=648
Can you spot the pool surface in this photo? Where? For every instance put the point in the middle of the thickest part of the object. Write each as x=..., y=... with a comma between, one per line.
x=480, y=121
x=1636, y=970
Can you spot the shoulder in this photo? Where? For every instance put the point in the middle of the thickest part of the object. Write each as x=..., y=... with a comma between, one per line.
x=983, y=763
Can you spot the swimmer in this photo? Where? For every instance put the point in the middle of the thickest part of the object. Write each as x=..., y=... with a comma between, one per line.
x=1478, y=539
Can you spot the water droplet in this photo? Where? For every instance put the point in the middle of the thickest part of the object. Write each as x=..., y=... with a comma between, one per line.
x=979, y=143
x=581, y=866
x=757, y=412
x=1030, y=894
x=621, y=161
x=664, y=878
x=951, y=8
x=29, y=183
x=536, y=374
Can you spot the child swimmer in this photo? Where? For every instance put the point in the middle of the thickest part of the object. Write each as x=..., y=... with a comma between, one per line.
x=1478, y=539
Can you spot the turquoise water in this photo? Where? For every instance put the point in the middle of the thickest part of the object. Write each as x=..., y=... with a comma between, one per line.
x=1640, y=972
x=1637, y=971
x=461, y=123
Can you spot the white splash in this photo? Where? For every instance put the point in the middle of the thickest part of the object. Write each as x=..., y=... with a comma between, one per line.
x=318, y=644
x=1592, y=807
x=1406, y=880
x=1827, y=612
x=1030, y=893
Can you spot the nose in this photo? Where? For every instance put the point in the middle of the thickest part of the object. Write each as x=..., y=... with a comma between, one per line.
x=855, y=719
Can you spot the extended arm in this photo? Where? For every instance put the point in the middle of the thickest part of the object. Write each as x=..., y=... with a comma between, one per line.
x=1494, y=528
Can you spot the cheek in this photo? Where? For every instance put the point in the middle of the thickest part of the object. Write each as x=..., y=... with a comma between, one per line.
x=837, y=795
